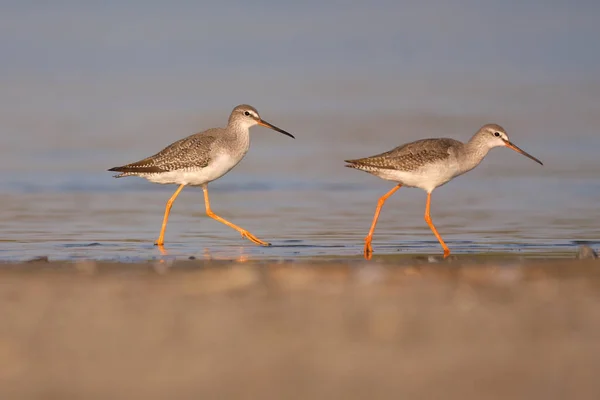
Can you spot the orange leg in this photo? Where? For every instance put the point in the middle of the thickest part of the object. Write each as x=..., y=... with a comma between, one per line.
x=161, y=237
x=369, y=238
x=435, y=232
x=243, y=232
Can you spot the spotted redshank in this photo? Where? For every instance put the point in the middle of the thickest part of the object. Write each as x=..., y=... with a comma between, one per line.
x=428, y=164
x=199, y=159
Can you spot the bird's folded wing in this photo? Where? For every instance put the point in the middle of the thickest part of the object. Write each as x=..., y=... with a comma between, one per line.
x=190, y=152
x=410, y=156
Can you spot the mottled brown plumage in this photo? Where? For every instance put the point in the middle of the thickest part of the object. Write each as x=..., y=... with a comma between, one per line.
x=192, y=152
x=407, y=157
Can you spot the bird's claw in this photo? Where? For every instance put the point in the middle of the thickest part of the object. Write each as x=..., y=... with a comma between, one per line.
x=254, y=239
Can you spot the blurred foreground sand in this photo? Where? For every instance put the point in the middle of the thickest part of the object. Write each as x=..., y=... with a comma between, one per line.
x=191, y=330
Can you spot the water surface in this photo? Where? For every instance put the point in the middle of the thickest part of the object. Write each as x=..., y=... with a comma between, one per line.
x=297, y=195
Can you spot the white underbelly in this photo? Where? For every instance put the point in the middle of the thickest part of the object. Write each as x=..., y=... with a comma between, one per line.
x=427, y=178
x=218, y=167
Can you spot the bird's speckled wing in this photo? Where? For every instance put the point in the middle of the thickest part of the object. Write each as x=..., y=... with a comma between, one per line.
x=191, y=152
x=408, y=157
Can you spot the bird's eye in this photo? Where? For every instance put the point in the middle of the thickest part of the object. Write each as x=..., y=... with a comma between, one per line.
x=497, y=134
x=246, y=113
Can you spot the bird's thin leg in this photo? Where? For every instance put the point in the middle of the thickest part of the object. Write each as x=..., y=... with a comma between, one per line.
x=369, y=238
x=161, y=237
x=435, y=232
x=243, y=232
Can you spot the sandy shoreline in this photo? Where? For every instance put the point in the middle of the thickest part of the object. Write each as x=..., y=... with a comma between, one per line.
x=476, y=328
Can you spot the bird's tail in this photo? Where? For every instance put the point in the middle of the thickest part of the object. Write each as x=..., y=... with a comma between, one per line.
x=123, y=172
x=357, y=164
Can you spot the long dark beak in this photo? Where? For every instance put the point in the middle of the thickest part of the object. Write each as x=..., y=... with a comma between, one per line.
x=268, y=125
x=518, y=150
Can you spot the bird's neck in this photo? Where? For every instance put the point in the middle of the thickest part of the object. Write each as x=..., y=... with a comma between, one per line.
x=238, y=129
x=474, y=151
x=240, y=133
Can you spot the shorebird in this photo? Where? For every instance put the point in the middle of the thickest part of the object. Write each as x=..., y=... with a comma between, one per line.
x=428, y=164
x=199, y=159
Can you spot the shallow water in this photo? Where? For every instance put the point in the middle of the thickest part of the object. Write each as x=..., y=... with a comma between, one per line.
x=91, y=87
x=296, y=194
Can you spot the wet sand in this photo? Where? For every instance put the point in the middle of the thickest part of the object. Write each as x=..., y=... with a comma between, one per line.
x=399, y=327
